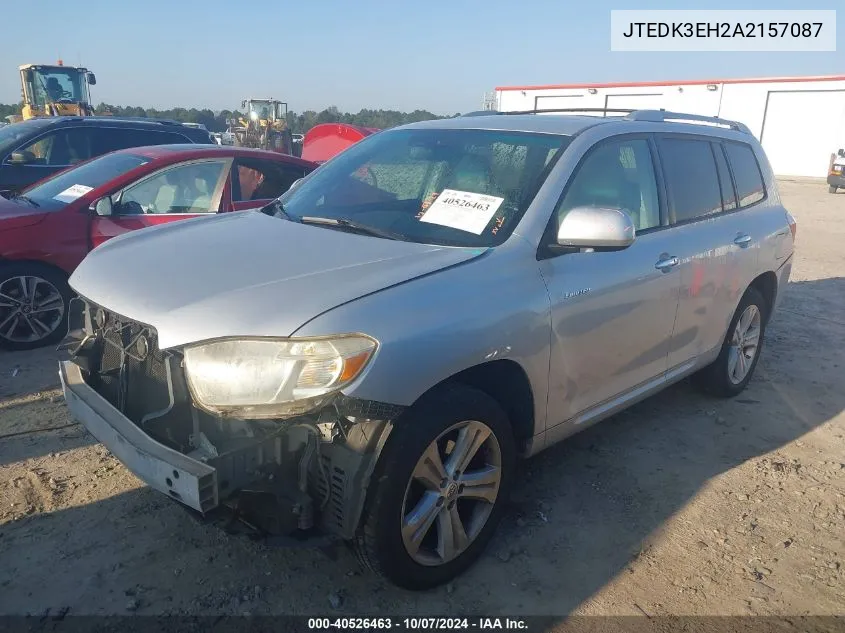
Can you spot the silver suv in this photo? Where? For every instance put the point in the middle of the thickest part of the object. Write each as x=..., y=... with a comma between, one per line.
x=368, y=356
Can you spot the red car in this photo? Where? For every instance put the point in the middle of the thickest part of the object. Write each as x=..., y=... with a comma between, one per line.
x=48, y=228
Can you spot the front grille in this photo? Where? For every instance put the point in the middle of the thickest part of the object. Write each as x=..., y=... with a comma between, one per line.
x=133, y=373
x=124, y=364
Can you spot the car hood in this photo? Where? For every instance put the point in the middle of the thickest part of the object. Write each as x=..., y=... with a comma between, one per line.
x=14, y=215
x=245, y=274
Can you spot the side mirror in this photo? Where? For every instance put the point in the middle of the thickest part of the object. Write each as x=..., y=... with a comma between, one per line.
x=597, y=228
x=841, y=153
x=103, y=207
x=21, y=158
x=92, y=80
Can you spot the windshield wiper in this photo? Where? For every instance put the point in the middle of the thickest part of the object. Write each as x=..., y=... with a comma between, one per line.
x=20, y=196
x=353, y=226
x=277, y=209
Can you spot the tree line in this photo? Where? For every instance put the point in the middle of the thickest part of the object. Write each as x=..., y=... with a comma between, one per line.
x=299, y=122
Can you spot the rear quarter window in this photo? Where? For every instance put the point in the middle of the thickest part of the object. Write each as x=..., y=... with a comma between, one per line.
x=692, y=178
x=747, y=173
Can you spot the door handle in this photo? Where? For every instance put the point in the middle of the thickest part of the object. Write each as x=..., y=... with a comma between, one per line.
x=666, y=263
x=742, y=239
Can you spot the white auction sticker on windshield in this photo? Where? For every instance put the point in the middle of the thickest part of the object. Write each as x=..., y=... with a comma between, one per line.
x=462, y=210
x=72, y=193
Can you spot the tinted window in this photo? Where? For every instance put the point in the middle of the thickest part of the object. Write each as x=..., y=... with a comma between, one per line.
x=746, y=170
x=187, y=188
x=88, y=176
x=262, y=180
x=691, y=178
x=61, y=148
x=109, y=139
x=14, y=132
x=725, y=182
x=618, y=174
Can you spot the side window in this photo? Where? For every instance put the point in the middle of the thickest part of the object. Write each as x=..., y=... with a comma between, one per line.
x=109, y=139
x=617, y=174
x=725, y=181
x=187, y=188
x=262, y=179
x=746, y=170
x=61, y=148
x=691, y=178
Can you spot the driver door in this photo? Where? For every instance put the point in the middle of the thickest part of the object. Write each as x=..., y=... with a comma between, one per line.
x=613, y=313
x=49, y=154
x=179, y=192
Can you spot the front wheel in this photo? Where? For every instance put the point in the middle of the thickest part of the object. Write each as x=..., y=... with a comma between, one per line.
x=732, y=370
x=832, y=189
x=33, y=306
x=439, y=490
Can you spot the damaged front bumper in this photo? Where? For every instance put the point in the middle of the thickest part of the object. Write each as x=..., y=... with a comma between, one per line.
x=281, y=477
x=188, y=480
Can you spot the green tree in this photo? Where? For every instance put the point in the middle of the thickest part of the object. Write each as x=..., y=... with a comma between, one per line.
x=299, y=123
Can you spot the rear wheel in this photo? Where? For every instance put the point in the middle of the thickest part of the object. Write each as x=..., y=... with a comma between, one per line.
x=33, y=306
x=731, y=372
x=439, y=490
x=832, y=189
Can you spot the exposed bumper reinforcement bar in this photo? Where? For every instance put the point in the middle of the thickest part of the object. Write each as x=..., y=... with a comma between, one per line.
x=187, y=480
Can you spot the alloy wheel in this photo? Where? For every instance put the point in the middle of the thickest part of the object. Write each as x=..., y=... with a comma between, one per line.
x=451, y=493
x=744, y=344
x=31, y=308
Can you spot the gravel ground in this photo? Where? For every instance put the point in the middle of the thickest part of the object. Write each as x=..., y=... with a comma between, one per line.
x=683, y=505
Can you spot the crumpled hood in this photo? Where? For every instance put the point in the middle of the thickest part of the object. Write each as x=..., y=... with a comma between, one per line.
x=245, y=274
x=14, y=215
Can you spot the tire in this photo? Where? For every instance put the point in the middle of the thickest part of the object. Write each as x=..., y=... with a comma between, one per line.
x=832, y=189
x=380, y=544
x=50, y=289
x=718, y=378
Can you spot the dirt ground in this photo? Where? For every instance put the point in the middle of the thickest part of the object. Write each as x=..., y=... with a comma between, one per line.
x=683, y=505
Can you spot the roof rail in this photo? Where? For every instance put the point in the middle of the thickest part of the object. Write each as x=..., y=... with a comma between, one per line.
x=140, y=119
x=604, y=110
x=482, y=113
x=663, y=115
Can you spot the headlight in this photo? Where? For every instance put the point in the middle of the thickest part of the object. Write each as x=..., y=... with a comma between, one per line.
x=266, y=378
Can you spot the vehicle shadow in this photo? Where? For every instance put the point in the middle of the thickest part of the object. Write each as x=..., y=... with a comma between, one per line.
x=585, y=513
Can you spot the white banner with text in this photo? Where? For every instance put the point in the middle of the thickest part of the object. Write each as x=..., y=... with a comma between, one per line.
x=723, y=30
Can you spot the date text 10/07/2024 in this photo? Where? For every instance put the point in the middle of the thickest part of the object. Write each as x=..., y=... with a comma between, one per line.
x=417, y=624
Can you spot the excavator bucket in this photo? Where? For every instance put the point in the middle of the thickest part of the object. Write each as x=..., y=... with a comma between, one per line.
x=326, y=140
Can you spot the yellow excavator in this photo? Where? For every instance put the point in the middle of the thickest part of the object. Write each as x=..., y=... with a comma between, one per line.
x=263, y=126
x=57, y=90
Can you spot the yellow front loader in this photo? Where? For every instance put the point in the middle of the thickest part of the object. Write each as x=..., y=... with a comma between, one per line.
x=263, y=126
x=55, y=91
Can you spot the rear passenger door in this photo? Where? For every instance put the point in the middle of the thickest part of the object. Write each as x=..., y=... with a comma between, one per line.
x=712, y=239
x=257, y=182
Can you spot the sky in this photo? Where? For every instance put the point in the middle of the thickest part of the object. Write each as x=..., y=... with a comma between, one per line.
x=434, y=55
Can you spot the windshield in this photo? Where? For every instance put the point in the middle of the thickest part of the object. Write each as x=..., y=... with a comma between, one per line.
x=58, y=84
x=11, y=134
x=67, y=186
x=263, y=109
x=436, y=186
